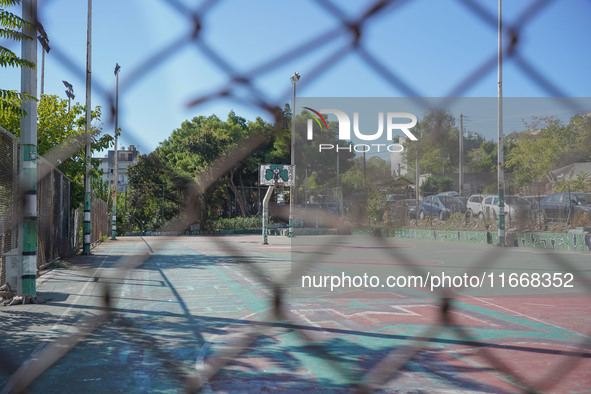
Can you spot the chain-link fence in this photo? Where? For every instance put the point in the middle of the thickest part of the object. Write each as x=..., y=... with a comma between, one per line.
x=9, y=214
x=57, y=225
x=55, y=234
x=393, y=363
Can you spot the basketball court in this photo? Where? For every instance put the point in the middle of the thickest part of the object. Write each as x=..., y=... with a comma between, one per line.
x=197, y=299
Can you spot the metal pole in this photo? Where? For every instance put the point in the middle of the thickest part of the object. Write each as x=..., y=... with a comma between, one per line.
x=306, y=190
x=87, y=196
x=115, y=170
x=501, y=175
x=364, y=171
x=42, y=71
x=28, y=124
x=268, y=195
x=461, y=172
x=417, y=191
x=294, y=79
x=417, y=172
x=338, y=168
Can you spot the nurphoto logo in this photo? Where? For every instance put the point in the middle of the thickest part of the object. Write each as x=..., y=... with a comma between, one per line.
x=393, y=120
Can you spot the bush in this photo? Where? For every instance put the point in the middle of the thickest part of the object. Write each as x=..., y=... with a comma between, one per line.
x=445, y=184
x=252, y=222
x=430, y=186
x=433, y=185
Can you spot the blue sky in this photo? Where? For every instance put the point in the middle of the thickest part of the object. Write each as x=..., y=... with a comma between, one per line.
x=430, y=45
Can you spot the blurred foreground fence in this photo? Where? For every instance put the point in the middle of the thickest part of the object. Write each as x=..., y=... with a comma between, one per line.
x=239, y=80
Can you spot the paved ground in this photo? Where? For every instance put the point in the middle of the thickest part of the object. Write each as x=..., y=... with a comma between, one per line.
x=195, y=298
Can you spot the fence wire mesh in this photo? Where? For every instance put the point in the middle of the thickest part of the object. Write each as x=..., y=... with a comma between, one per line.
x=56, y=226
x=391, y=365
x=55, y=236
x=9, y=162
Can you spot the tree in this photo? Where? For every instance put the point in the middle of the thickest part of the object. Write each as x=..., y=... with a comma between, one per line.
x=377, y=170
x=484, y=158
x=157, y=193
x=10, y=29
x=546, y=144
x=438, y=144
x=57, y=126
x=322, y=166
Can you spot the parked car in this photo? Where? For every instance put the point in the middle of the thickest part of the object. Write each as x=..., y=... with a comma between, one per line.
x=563, y=206
x=410, y=205
x=516, y=208
x=464, y=199
x=441, y=206
x=534, y=201
x=490, y=206
x=474, y=204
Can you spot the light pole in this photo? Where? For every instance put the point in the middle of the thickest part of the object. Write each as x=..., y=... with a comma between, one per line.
x=44, y=41
x=115, y=174
x=69, y=92
x=294, y=79
x=417, y=173
x=500, y=166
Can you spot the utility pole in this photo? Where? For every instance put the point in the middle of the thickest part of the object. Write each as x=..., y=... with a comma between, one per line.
x=115, y=173
x=28, y=242
x=461, y=174
x=501, y=168
x=87, y=196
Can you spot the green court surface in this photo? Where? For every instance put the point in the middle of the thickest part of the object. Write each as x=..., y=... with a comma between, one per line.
x=194, y=299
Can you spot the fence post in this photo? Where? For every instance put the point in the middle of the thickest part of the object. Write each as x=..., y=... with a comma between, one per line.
x=87, y=196
x=28, y=277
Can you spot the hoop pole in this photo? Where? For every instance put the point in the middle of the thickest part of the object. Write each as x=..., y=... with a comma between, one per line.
x=266, y=200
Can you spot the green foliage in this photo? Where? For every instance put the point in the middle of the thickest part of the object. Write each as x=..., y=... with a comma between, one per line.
x=322, y=165
x=438, y=144
x=430, y=186
x=156, y=195
x=376, y=205
x=240, y=223
x=377, y=170
x=491, y=189
x=547, y=144
x=483, y=158
x=445, y=184
x=195, y=152
x=582, y=183
x=10, y=24
x=434, y=185
x=58, y=128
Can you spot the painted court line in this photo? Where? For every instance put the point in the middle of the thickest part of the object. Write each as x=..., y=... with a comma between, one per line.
x=523, y=315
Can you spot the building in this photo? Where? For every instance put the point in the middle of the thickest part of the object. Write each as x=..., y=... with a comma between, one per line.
x=125, y=158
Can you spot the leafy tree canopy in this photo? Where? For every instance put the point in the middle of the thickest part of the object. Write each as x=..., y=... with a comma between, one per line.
x=10, y=29
x=57, y=127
